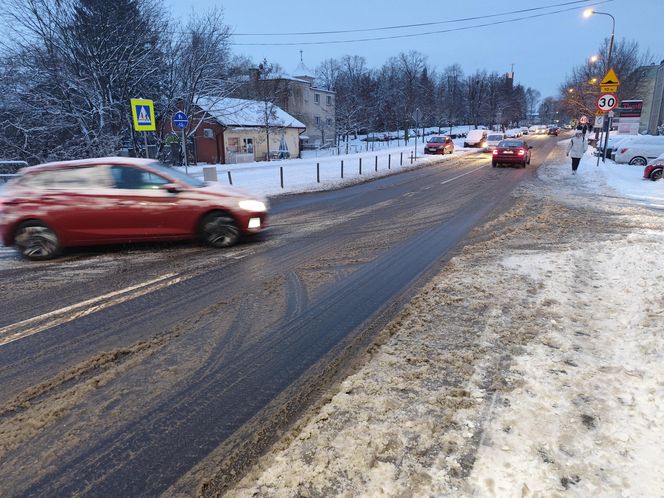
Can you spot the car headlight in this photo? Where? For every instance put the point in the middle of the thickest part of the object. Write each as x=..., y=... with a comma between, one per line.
x=252, y=205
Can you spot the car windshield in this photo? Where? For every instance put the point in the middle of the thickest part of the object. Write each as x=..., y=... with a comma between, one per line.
x=437, y=140
x=510, y=143
x=178, y=175
x=495, y=137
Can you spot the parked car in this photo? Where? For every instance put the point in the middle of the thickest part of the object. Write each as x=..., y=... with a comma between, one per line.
x=493, y=139
x=511, y=151
x=475, y=138
x=640, y=149
x=614, y=141
x=553, y=131
x=524, y=130
x=116, y=200
x=654, y=169
x=439, y=144
x=513, y=133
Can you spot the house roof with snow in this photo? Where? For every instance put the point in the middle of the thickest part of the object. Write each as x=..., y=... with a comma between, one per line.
x=302, y=71
x=245, y=113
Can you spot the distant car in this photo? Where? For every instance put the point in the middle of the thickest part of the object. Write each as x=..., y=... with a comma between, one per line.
x=116, y=200
x=439, y=144
x=513, y=133
x=475, y=138
x=524, y=130
x=511, y=151
x=553, y=131
x=640, y=149
x=492, y=140
x=655, y=169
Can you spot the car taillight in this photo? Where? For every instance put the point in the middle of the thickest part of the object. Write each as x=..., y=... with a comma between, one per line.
x=522, y=152
x=622, y=151
x=495, y=152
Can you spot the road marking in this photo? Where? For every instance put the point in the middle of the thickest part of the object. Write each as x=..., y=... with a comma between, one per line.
x=463, y=174
x=31, y=326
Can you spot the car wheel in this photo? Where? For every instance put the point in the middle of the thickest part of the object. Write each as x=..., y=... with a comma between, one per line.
x=656, y=175
x=219, y=229
x=494, y=163
x=638, y=161
x=37, y=241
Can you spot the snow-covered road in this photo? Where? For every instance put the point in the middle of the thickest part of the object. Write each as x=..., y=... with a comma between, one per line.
x=532, y=365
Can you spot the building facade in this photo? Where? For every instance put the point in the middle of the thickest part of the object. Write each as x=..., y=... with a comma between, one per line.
x=299, y=96
x=651, y=90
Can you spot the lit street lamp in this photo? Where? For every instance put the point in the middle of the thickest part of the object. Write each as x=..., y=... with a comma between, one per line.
x=594, y=58
x=589, y=12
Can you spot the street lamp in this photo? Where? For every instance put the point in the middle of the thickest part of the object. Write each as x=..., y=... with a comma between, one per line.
x=594, y=58
x=590, y=12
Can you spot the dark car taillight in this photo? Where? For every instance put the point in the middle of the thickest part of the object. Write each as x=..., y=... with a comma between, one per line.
x=622, y=151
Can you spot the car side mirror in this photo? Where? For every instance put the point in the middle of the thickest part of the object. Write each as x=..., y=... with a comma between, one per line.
x=171, y=188
x=530, y=146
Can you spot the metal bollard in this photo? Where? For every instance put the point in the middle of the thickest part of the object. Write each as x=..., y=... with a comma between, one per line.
x=317, y=172
x=401, y=160
x=230, y=180
x=389, y=161
x=376, y=165
x=342, y=168
x=281, y=175
x=411, y=157
x=360, y=165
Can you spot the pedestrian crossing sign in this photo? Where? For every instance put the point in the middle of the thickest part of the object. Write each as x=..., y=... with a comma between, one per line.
x=142, y=111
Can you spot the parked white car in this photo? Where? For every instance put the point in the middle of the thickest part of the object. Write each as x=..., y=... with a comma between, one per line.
x=475, y=138
x=513, y=133
x=639, y=150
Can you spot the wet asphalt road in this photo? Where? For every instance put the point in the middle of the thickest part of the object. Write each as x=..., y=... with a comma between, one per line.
x=148, y=370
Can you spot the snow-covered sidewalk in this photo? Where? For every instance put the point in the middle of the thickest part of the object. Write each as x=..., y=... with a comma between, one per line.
x=532, y=365
x=324, y=173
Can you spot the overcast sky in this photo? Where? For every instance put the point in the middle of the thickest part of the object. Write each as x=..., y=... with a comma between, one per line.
x=542, y=49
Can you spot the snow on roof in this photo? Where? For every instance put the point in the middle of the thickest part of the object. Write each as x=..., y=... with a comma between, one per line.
x=303, y=70
x=241, y=112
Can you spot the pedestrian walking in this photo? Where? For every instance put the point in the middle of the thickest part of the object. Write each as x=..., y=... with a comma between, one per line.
x=576, y=148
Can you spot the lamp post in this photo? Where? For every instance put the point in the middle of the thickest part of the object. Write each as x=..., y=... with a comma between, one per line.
x=587, y=13
x=590, y=12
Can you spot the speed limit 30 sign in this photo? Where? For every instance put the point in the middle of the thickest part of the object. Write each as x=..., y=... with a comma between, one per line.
x=606, y=102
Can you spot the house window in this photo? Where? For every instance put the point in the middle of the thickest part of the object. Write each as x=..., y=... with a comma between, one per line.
x=248, y=145
x=318, y=120
x=329, y=121
x=208, y=133
x=329, y=100
x=316, y=98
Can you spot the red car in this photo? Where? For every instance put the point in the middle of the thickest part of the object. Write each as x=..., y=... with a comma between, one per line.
x=654, y=170
x=439, y=144
x=511, y=152
x=115, y=200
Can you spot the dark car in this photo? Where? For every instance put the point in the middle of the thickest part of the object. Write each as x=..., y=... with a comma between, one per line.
x=116, y=200
x=655, y=169
x=554, y=130
x=439, y=144
x=511, y=152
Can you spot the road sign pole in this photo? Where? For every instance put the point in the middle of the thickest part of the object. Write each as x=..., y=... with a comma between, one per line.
x=145, y=137
x=606, y=138
x=184, y=148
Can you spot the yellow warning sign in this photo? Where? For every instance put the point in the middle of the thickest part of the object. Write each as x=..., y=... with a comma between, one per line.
x=142, y=111
x=610, y=79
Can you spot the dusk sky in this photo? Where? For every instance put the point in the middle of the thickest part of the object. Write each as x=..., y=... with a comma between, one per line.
x=543, y=49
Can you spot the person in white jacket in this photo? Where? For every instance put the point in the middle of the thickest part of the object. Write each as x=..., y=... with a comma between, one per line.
x=576, y=148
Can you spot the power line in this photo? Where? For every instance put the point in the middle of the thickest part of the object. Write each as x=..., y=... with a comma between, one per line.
x=413, y=35
x=417, y=25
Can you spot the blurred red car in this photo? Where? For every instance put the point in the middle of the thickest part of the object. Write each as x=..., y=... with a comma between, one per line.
x=511, y=152
x=116, y=200
x=554, y=130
